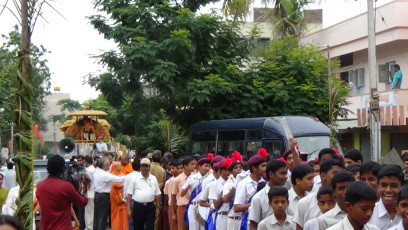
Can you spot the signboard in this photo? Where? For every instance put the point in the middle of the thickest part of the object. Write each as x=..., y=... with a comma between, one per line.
x=386, y=99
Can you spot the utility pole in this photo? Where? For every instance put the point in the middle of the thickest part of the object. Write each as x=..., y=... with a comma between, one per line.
x=374, y=113
x=11, y=139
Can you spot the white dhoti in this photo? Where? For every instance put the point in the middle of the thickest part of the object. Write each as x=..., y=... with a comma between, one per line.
x=89, y=214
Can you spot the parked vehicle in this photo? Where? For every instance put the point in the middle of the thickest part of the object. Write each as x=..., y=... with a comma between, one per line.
x=247, y=135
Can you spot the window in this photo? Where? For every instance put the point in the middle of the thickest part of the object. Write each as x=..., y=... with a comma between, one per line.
x=273, y=147
x=203, y=142
x=357, y=77
x=346, y=60
x=344, y=76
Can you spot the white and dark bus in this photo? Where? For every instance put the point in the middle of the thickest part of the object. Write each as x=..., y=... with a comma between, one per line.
x=248, y=135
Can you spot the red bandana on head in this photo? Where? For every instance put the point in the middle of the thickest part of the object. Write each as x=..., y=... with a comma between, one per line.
x=236, y=156
x=227, y=162
x=210, y=156
x=263, y=152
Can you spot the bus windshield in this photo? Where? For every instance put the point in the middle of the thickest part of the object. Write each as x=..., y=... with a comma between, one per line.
x=313, y=144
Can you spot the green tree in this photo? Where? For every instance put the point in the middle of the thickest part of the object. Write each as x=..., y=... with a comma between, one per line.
x=40, y=80
x=340, y=92
x=196, y=67
x=163, y=49
x=70, y=105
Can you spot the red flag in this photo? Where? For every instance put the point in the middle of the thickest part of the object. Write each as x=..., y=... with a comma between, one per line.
x=36, y=133
x=9, y=144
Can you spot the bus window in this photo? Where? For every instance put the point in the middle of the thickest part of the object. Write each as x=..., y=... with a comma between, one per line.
x=203, y=142
x=225, y=148
x=254, y=135
x=203, y=147
x=233, y=135
x=273, y=147
x=253, y=147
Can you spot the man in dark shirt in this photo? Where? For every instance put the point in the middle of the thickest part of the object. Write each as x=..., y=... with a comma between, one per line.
x=56, y=196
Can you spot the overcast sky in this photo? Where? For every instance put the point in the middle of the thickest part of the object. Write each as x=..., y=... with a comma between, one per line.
x=72, y=40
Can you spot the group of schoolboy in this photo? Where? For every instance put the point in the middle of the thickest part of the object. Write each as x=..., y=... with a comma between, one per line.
x=332, y=192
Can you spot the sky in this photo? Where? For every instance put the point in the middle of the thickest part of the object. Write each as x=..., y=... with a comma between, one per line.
x=72, y=41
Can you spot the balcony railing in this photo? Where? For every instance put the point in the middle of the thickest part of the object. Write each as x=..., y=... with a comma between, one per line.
x=393, y=108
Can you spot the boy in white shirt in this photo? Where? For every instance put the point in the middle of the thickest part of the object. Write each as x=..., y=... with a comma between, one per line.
x=360, y=200
x=402, y=209
x=279, y=220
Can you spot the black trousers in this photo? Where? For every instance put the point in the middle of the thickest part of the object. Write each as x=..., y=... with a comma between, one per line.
x=81, y=218
x=143, y=216
x=101, y=211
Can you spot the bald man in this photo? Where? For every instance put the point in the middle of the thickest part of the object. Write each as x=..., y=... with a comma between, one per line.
x=126, y=166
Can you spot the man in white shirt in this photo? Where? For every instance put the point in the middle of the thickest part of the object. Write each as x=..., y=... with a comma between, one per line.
x=246, y=188
x=192, y=189
x=102, y=183
x=145, y=192
x=324, y=154
x=276, y=174
x=219, y=209
x=302, y=180
x=339, y=184
x=205, y=202
x=390, y=179
x=228, y=193
x=89, y=208
x=307, y=206
x=128, y=180
x=359, y=199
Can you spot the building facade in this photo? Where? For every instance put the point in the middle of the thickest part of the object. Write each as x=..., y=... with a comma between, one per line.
x=347, y=41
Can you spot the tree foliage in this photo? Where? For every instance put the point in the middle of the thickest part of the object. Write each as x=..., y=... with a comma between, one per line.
x=287, y=17
x=196, y=67
x=41, y=76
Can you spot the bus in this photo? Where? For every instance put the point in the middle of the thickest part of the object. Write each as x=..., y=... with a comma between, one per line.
x=248, y=135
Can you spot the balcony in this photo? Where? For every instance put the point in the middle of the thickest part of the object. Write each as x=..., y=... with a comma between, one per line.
x=393, y=108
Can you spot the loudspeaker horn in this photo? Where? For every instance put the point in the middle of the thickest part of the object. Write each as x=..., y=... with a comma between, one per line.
x=66, y=146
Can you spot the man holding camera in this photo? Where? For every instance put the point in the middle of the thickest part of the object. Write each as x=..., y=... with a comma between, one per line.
x=55, y=197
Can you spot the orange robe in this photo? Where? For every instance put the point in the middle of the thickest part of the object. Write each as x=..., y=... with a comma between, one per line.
x=118, y=206
x=126, y=169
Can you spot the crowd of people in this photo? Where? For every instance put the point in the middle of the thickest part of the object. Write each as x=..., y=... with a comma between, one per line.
x=152, y=191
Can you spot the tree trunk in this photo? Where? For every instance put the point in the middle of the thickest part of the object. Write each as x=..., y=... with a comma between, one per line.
x=23, y=122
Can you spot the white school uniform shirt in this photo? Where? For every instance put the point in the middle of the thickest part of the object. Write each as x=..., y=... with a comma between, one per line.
x=317, y=183
x=227, y=188
x=330, y=218
x=397, y=227
x=260, y=208
x=245, y=189
x=194, y=180
x=271, y=223
x=346, y=225
x=311, y=224
x=102, y=180
x=288, y=185
x=381, y=218
x=242, y=175
x=206, y=188
x=293, y=201
x=215, y=191
x=144, y=190
x=307, y=209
